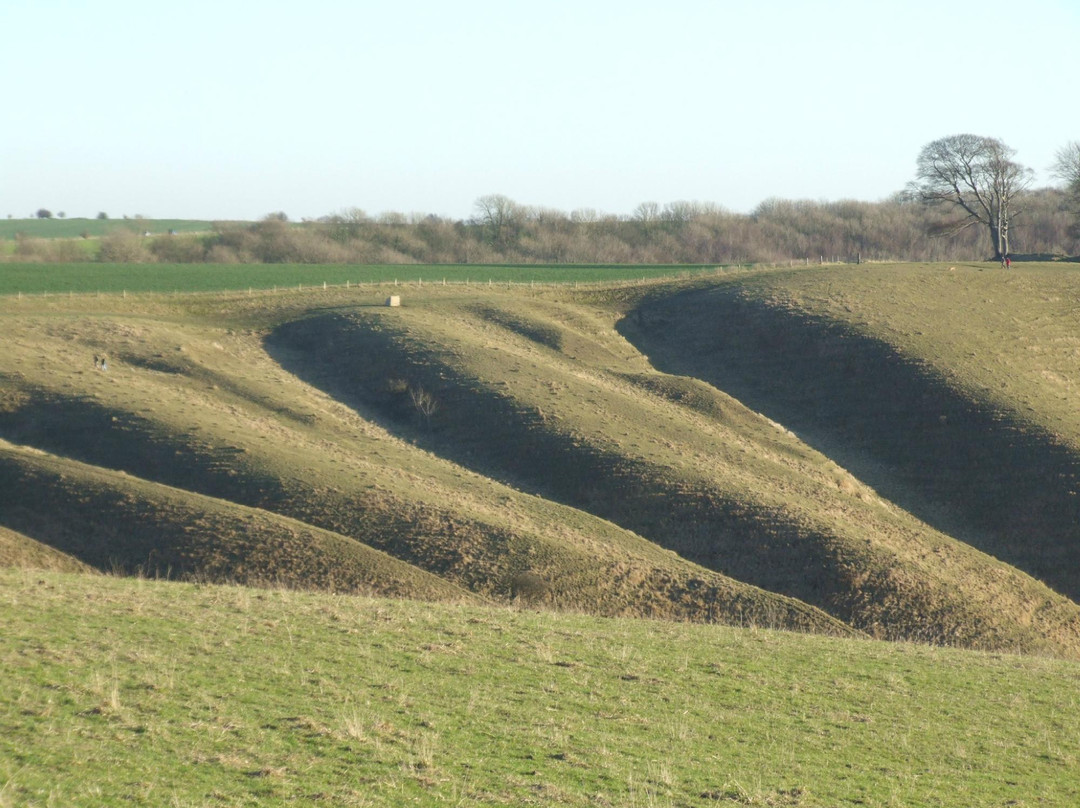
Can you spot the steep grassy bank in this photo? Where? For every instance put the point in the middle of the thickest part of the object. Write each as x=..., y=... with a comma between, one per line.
x=125, y=525
x=197, y=406
x=120, y=690
x=526, y=444
x=547, y=395
x=948, y=391
x=17, y=550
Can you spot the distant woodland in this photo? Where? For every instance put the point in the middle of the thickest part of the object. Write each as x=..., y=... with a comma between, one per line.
x=899, y=228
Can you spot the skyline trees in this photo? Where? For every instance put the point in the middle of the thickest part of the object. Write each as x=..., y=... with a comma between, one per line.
x=968, y=188
x=900, y=228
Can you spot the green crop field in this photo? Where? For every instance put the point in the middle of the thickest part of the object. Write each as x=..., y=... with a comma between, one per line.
x=93, y=278
x=77, y=228
x=152, y=693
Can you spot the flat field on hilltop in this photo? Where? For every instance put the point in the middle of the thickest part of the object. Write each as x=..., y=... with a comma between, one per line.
x=76, y=228
x=133, y=691
x=36, y=279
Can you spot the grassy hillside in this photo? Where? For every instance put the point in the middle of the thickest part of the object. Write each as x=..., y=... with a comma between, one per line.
x=203, y=409
x=131, y=691
x=667, y=449
x=17, y=550
x=126, y=525
x=949, y=390
x=548, y=396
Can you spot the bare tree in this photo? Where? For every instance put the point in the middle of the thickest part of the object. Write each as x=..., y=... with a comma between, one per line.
x=424, y=403
x=1067, y=167
x=1067, y=164
x=978, y=178
x=500, y=217
x=647, y=212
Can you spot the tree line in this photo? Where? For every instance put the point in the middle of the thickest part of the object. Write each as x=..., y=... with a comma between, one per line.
x=969, y=201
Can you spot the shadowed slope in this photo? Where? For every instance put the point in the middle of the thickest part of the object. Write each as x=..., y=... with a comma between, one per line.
x=17, y=550
x=948, y=453
x=115, y=522
x=220, y=419
x=671, y=459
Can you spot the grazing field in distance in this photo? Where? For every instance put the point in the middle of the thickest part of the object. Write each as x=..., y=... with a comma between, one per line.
x=95, y=228
x=32, y=279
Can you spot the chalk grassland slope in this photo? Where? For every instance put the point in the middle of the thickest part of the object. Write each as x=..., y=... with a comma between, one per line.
x=120, y=691
x=514, y=443
x=123, y=524
x=547, y=394
x=951, y=391
x=197, y=405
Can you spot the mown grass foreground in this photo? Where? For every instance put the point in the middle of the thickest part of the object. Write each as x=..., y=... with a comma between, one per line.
x=132, y=691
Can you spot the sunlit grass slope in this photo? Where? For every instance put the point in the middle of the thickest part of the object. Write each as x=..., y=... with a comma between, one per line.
x=17, y=550
x=951, y=390
x=548, y=395
x=123, y=524
x=125, y=691
x=678, y=450
x=192, y=401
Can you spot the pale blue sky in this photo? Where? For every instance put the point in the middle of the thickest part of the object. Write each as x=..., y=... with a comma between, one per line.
x=237, y=109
